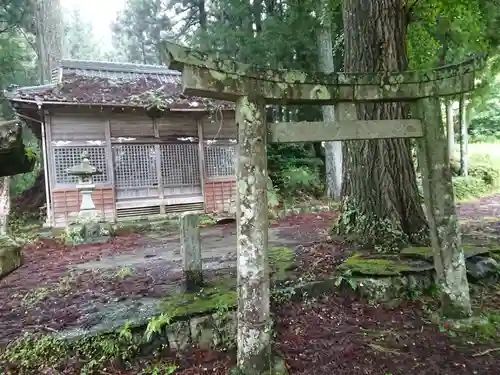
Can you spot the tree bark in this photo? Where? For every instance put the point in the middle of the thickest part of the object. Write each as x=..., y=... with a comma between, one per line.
x=381, y=205
x=333, y=149
x=48, y=20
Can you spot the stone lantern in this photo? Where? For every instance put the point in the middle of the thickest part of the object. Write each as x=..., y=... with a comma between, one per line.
x=88, y=226
x=85, y=185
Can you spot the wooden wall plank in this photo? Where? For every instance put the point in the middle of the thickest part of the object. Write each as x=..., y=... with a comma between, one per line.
x=77, y=127
x=220, y=196
x=220, y=125
x=66, y=204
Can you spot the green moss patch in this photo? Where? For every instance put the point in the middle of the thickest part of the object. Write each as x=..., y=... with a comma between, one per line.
x=211, y=297
x=382, y=265
x=482, y=329
x=281, y=261
x=222, y=293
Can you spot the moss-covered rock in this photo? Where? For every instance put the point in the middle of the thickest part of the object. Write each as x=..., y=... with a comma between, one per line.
x=222, y=293
x=213, y=296
x=10, y=256
x=14, y=157
x=383, y=265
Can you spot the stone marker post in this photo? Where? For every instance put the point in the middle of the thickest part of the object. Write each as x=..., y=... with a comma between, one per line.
x=191, y=251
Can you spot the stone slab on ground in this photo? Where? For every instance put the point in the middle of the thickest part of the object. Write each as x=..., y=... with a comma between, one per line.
x=218, y=250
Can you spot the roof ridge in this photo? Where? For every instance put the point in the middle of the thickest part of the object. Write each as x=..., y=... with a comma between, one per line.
x=117, y=67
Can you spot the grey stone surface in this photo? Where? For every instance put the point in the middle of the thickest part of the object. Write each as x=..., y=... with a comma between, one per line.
x=217, y=244
x=481, y=267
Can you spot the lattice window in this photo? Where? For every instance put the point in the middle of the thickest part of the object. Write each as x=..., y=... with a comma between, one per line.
x=180, y=164
x=67, y=157
x=220, y=160
x=135, y=166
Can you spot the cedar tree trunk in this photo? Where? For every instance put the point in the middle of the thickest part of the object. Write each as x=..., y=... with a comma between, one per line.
x=382, y=205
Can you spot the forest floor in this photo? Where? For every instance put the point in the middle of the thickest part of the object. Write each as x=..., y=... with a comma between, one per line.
x=336, y=334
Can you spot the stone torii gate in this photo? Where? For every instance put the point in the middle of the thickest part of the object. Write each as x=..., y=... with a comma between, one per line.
x=252, y=88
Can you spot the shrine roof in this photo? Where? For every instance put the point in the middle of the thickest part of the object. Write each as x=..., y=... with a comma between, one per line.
x=113, y=84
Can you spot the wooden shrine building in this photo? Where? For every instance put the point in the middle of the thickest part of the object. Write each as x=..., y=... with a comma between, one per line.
x=159, y=151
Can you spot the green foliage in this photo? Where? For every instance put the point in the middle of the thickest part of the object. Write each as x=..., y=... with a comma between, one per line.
x=79, y=40
x=32, y=354
x=362, y=228
x=295, y=170
x=469, y=187
x=485, y=117
x=156, y=326
x=484, y=176
x=138, y=29
x=21, y=182
x=300, y=180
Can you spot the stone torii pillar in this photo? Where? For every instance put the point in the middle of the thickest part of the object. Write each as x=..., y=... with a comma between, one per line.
x=251, y=88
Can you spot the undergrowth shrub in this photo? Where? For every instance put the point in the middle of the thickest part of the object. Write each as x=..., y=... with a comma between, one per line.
x=484, y=176
x=295, y=170
x=469, y=187
x=301, y=181
x=21, y=182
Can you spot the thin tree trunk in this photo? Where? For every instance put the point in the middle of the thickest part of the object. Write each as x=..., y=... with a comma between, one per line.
x=450, y=126
x=202, y=16
x=4, y=204
x=381, y=205
x=333, y=150
x=257, y=15
x=464, y=138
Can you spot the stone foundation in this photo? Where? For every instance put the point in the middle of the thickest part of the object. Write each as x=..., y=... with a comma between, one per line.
x=87, y=231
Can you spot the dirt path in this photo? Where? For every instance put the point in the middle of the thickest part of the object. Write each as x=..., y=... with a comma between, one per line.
x=487, y=207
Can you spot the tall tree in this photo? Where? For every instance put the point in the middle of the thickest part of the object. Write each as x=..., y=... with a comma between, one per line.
x=79, y=39
x=381, y=203
x=138, y=29
x=49, y=28
x=333, y=150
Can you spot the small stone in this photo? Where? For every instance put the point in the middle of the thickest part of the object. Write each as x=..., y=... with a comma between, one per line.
x=202, y=331
x=179, y=335
x=224, y=328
